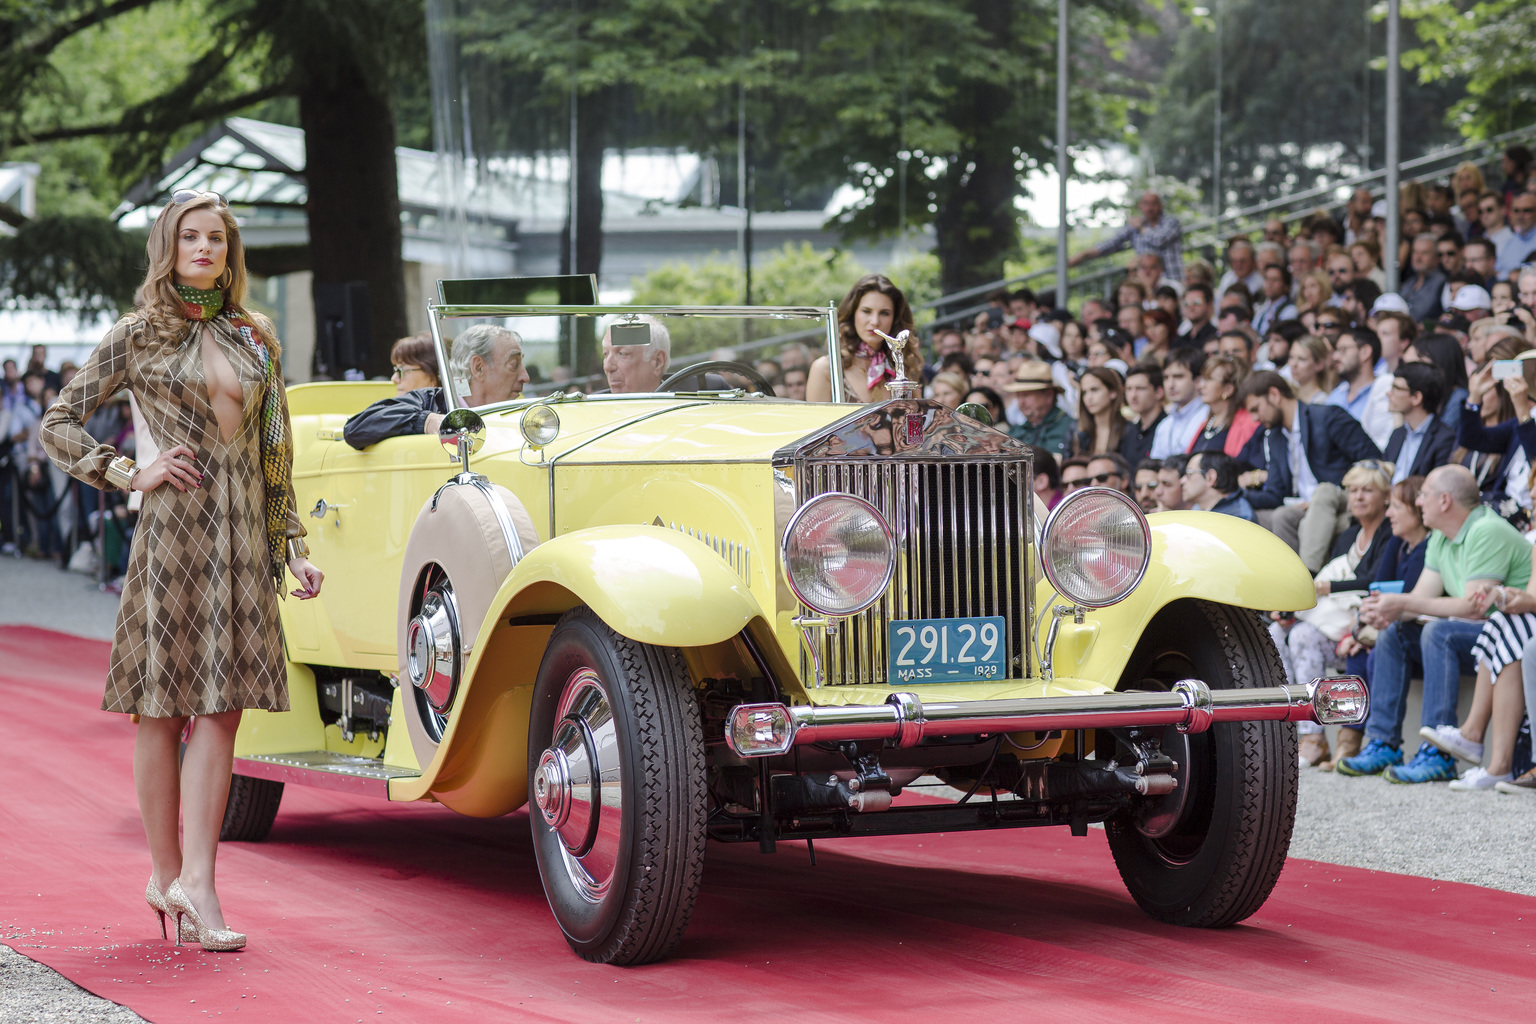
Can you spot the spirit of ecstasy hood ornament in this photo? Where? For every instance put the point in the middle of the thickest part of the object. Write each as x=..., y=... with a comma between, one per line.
x=899, y=386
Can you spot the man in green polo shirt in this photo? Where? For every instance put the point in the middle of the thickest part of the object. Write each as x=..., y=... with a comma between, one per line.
x=1470, y=549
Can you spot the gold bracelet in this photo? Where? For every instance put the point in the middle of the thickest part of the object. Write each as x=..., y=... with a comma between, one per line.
x=297, y=548
x=120, y=472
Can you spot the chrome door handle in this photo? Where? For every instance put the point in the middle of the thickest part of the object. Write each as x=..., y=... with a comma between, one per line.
x=321, y=510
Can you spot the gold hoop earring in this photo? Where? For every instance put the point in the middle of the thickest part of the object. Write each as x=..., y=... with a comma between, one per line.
x=221, y=283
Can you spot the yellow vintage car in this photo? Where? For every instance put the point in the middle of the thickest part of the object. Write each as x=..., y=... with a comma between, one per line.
x=664, y=618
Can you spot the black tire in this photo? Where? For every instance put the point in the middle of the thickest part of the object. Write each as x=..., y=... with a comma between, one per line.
x=251, y=809
x=656, y=741
x=1219, y=864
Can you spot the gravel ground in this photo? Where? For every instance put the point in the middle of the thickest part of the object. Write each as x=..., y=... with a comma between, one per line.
x=1479, y=838
x=40, y=594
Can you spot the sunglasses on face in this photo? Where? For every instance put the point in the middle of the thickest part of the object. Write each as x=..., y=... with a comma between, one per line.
x=1073, y=485
x=1329, y=325
x=185, y=195
x=1524, y=209
x=1147, y=485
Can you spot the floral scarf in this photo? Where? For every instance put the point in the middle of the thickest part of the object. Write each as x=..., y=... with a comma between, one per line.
x=880, y=368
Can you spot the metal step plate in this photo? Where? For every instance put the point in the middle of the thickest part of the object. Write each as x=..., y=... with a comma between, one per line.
x=325, y=770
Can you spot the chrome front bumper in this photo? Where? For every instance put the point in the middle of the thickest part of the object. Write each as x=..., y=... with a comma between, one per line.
x=904, y=720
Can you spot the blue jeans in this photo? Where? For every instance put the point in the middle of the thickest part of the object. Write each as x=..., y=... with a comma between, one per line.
x=1441, y=650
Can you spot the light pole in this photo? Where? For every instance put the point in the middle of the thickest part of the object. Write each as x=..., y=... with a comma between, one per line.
x=1394, y=103
x=1216, y=135
x=1061, y=154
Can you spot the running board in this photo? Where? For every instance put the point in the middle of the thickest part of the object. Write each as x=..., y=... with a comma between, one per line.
x=325, y=770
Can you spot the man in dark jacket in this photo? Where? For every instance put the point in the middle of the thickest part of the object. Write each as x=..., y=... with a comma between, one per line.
x=488, y=357
x=1424, y=441
x=1304, y=451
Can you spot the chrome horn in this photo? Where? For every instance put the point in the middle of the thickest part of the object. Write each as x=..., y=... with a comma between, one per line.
x=462, y=432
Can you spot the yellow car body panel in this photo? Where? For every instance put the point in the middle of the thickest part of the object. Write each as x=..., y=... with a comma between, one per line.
x=660, y=515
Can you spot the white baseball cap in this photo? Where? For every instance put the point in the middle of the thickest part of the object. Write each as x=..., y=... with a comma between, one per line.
x=1047, y=335
x=1471, y=296
x=1389, y=302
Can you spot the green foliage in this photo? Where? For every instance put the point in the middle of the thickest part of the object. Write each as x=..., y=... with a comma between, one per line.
x=1487, y=45
x=81, y=265
x=1293, y=99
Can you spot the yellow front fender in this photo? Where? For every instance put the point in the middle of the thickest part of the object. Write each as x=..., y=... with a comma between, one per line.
x=652, y=585
x=1204, y=555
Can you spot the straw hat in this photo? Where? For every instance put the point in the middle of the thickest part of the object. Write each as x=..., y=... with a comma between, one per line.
x=1033, y=375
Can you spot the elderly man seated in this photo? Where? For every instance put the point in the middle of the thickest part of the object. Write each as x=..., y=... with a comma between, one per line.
x=489, y=357
x=637, y=369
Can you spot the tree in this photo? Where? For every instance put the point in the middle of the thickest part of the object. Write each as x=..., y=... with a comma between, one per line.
x=1293, y=104
x=936, y=109
x=1487, y=45
x=337, y=58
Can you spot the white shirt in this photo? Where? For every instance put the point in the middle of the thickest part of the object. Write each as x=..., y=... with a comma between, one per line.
x=1254, y=281
x=1301, y=469
x=1177, y=432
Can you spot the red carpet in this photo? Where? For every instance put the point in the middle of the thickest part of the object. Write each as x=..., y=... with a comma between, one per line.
x=363, y=911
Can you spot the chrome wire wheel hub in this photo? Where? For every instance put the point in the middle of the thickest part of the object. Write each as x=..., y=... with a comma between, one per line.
x=579, y=782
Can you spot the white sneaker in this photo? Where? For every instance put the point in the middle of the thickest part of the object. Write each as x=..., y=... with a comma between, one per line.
x=1478, y=778
x=1449, y=739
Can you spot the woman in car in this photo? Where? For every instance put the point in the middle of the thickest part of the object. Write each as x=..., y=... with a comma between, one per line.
x=198, y=635
x=872, y=304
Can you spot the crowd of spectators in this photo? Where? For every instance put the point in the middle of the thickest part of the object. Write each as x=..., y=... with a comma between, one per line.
x=1386, y=437
x=43, y=512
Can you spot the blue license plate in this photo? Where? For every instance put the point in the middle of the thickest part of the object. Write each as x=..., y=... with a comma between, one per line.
x=947, y=650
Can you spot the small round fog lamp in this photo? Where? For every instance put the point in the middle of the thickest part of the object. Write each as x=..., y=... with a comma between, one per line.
x=540, y=426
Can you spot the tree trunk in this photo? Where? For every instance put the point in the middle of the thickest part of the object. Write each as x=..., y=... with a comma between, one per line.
x=976, y=224
x=592, y=113
x=354, y=201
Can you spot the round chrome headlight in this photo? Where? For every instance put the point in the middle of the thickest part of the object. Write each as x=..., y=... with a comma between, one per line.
x=540, y=426
x=839, y=554
x=1095, y=547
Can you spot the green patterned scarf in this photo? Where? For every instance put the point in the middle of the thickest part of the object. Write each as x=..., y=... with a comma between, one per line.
x=276, y=448
x=200, y=303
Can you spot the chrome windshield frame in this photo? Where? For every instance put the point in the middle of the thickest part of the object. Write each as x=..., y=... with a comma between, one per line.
x=437, y=312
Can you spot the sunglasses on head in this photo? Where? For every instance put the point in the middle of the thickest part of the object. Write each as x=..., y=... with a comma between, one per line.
x=186, y=195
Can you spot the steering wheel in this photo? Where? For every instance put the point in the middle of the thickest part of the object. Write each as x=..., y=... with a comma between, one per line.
x=698, y=370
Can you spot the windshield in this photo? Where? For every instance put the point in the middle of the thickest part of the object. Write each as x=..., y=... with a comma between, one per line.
x=490, y=355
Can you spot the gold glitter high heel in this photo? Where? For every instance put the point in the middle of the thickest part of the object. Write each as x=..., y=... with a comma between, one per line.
x=156, y=900
x=215, y=940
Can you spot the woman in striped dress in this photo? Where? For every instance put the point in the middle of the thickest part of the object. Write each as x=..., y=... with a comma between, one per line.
x=1498, y=704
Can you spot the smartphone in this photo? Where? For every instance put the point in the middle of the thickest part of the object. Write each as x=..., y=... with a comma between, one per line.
x=1387, y=587
x=1506, y=369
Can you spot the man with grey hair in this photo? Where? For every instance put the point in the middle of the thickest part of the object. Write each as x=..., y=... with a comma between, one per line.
x=1422, y=288
x=1471, y=550
x=486, y=361
x=1241, y=267
x=1303, y=260
x=637, y=369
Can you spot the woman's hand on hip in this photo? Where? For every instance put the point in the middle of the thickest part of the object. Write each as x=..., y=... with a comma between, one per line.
x=309, y=578
x=173, y=466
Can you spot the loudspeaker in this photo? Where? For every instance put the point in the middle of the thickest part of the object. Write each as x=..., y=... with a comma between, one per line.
x=342, y=328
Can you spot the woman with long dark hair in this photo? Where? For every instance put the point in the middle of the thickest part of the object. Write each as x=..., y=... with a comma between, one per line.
x=872, y=304
x=197, y=635
x=1100, y=421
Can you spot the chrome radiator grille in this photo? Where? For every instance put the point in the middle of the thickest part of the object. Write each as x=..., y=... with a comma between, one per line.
x=961, y=538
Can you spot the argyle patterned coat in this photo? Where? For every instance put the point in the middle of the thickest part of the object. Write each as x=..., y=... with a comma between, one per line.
x=197, y=630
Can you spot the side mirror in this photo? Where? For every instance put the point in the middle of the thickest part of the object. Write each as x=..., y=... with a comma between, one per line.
x=976, y=411
x=462, y=432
